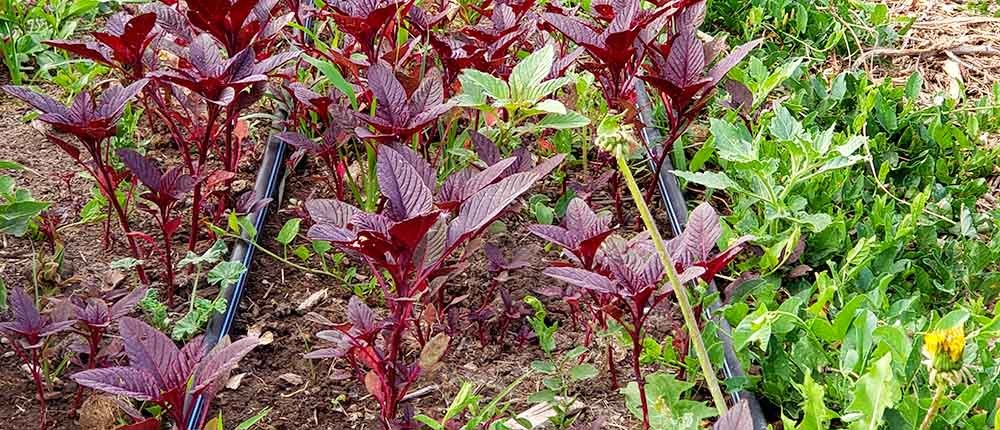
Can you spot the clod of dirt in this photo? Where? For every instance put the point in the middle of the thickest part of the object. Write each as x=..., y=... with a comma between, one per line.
x=291, y=379
x=99, y=413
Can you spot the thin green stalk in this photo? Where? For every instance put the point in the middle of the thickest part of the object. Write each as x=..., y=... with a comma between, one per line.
x=194, y=288
x=935, y=403
x=679, y=290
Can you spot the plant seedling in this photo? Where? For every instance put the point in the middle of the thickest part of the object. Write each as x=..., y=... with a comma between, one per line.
x=28, y=333
x=163, y=375
x=92, y=122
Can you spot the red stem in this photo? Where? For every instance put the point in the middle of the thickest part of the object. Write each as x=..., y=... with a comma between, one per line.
x=36, y=373
x=636, y=332
x=213, y=114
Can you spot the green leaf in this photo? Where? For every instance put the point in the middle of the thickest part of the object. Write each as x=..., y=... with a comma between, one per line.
x=246, y=226
x=531, y=71
x=816, y=222
x=815, y=414
x=876, y=391
x=784, y=126
x=543, y=366
x=211, y=255
x=583, y=372
x=3, y=296
x=226, y=273
x=543, y=396
x=714, y=180
x=10, y=165
x=429, y=422
x=755, y=327
x=289, y=231
x=332, y=74
x=955, y=318
x=960, y=406
x=733, y=142
x=125, y=263
x=489, y=84
x=250, y=422
x=914, y=85
x=664, y=391
x=570, y=119
x=551, y=106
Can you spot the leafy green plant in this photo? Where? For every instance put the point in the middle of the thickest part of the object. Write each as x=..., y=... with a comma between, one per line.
x=522, y=104
x=466, y=413
x=24, y=26
x=669, y=410
x=18, y=209
x=563, y=375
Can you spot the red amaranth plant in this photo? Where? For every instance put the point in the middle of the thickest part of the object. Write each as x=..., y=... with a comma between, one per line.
x=369, y=22
x=631, y=273
x=207, y=118
x=616, y=41
x=581, y=235
x=163, y=375
x=92, y=122
x=165, y=190
x=122, y=46
x=680, y=72
x=94, y=317
x=398, y=115
x=28, y=333
x=413, y=240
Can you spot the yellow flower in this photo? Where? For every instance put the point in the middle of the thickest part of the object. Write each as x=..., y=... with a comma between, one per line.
x=943, y=350
x=950, y=341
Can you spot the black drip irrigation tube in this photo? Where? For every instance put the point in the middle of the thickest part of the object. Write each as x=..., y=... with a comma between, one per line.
x=676, y=207
x=267, y=186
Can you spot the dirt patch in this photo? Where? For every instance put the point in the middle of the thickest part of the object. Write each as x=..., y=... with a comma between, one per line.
x=954, y=47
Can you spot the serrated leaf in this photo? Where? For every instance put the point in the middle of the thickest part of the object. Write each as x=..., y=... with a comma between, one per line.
x=784, y=126
x=226, y=273
x=815, y=414
x=488, y=84
x=733, y=142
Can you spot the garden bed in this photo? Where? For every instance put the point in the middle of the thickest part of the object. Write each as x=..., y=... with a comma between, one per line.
x=849, y=152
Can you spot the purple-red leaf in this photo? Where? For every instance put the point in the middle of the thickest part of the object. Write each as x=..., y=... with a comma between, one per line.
x=723, y=66
x=390, y=95
x=402, y=184
x=221, y=360
x=148, y=349
x=581, y=278
x=482, y=208
x=120, y=381
x=142, y=167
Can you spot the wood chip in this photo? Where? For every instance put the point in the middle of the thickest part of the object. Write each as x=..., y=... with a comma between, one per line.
x=291, y=379
x=234, y=382
x=312, y=300
x=539, y=415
